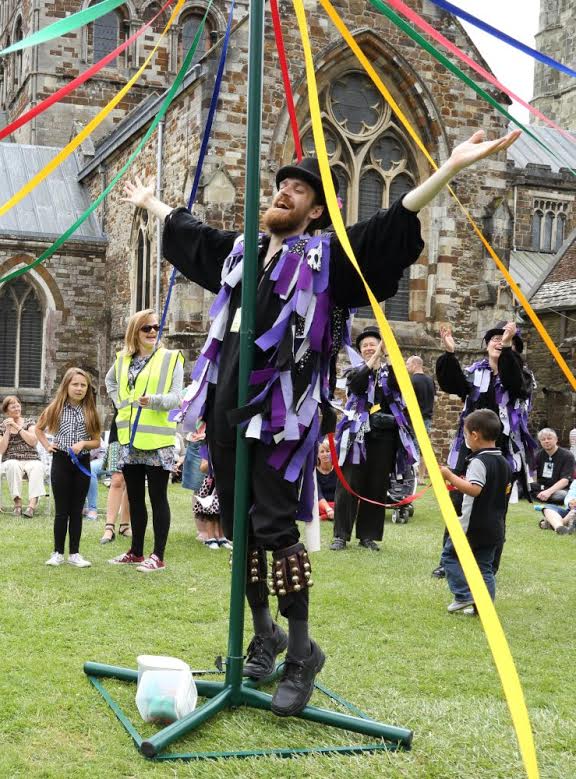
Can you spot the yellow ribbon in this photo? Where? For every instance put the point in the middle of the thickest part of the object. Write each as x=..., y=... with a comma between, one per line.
x=90, y=127
x=339, y=24
x=492, y=627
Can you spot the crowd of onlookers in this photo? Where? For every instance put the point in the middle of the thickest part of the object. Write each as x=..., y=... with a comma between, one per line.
x=491, y=455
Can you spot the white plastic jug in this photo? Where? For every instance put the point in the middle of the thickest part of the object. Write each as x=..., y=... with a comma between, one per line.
x=166, y=695
x=159, y=663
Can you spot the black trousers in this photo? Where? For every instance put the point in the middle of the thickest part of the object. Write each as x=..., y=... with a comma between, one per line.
x=69, y=487
x=371, y=479
x=272, y=521
x=272, y=516
x=135, y=477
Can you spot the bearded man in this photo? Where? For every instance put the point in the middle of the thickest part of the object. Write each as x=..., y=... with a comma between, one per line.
x=306, y=288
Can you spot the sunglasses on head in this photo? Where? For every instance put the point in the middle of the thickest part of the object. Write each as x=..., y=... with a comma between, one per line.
x=150, y=328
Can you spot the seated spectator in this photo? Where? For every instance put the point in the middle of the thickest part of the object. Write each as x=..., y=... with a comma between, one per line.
x=326, y=480
x=562, y=520
x=20, y=457
x=554, y=469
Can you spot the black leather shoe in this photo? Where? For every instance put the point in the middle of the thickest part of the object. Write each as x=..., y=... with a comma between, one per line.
x=262, y=652
x=369, y=543
x=296, y=686
x=439, y=573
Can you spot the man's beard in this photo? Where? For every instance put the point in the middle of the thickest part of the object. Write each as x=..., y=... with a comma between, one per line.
x=279, y=220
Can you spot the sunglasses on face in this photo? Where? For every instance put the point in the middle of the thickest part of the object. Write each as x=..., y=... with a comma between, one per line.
x=150, y=328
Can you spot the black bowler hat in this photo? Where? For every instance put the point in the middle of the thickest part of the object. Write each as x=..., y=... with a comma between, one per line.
x=498, y=329
x=368, y=332
x=308, y=170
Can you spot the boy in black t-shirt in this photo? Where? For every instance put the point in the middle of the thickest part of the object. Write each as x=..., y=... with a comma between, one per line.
x=486, y=490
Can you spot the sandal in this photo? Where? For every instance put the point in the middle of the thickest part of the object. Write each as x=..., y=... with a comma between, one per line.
x=125, y=530
x=17, y=511
x=105, y=539
x=29, y=512
x=544, y=524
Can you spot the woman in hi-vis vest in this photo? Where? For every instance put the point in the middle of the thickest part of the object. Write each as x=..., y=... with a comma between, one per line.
x=148, y=377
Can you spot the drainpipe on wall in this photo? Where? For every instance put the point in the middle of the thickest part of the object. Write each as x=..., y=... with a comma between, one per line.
x=102, y=170
x=514, y=218
x=34, y=84
x=159, y=150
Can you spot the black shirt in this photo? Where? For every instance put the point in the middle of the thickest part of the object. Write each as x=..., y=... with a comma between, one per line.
x=483, y=516
x=560, y=464
x=326, y=484
x=425, y=391
x=384, y=245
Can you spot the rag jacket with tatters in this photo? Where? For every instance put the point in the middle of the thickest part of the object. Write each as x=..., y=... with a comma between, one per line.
x=367, y=387
x=508, y=393
x=303, y=300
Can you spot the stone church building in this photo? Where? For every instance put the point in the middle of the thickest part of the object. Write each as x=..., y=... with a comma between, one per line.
x=73, y=308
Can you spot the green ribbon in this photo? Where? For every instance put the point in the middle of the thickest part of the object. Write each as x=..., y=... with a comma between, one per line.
x=399, y=22
x=63, y=26
x=156, y=121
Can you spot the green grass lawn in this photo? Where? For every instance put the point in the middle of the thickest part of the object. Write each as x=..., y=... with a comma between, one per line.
x=392, y=649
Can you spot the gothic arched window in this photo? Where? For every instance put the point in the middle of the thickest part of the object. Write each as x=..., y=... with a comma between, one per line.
x=547, y=236
x=105, y=36
x=18, y=64
x=560, y=229
x=143, y=284
x=21, y=332
x=370, y=156
x=536, y=229
x=189, y=27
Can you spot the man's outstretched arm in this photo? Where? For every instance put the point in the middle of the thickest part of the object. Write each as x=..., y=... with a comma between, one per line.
x=463, y=155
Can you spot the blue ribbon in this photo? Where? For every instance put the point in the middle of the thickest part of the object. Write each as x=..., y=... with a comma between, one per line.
x=79, y=465
x=537, y=55
x=195, y=184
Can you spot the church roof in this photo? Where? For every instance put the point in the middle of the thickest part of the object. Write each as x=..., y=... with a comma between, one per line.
x=526, y=150
x=527, y=268
x=53, y=206
x=556, y=287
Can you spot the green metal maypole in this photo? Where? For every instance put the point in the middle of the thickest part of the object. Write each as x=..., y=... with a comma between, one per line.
x=236, y=691
x=247, y=327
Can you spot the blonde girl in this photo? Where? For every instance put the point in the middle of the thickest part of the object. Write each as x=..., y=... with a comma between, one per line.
x=74, y=423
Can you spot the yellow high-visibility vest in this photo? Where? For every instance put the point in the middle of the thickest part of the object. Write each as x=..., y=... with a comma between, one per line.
x=154, y=429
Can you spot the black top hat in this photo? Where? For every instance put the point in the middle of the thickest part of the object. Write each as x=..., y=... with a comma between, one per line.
x=368, y=332
x=498, y=329
x=308, y=170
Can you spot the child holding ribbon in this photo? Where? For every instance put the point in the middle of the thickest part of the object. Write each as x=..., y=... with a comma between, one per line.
x=73, y=420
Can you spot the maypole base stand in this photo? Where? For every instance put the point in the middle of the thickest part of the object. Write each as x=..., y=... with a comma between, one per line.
x=222, y=695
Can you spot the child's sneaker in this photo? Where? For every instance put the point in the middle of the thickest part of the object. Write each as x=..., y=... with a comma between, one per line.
x=224, y=543
x=78, y=561
x=152, y=563
x=211, y=543
x=92, y=514
x=56, y=559
x=470, y=611
x=128, y=558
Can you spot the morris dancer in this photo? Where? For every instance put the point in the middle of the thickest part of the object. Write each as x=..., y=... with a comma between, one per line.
x=306, y=287
x=499, y=382
x=374, y=441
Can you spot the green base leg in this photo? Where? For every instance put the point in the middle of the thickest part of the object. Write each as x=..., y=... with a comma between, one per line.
x=150, y=747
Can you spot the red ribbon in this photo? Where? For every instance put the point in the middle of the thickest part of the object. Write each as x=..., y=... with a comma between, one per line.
x=348, y=488
x=286, y=78
x=57, y=96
